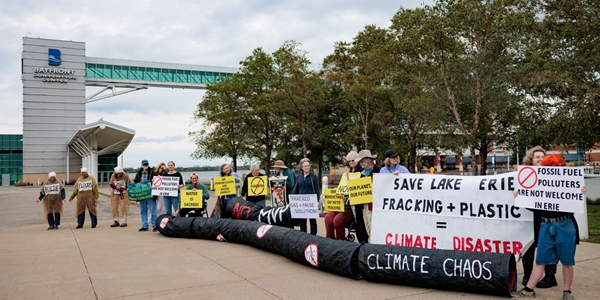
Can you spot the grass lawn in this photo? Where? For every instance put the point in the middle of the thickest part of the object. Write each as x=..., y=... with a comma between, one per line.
x=593, y=212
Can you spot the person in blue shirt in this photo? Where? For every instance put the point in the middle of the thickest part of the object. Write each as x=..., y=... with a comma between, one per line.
x=392, y=164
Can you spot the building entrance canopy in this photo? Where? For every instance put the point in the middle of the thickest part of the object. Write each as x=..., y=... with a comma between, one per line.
x=99, y=138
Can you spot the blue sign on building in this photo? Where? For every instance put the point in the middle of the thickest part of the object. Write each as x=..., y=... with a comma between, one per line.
x=54, y=57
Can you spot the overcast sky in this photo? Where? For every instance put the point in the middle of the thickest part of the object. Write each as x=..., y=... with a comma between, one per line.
x=213, y=33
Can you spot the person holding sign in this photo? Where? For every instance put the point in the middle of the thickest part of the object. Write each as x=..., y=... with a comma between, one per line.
x=226, y=171
x=307, y=183
x=558, y=237
x=250, y=190
x=119, y=200
x=364, y=212
x=172, y=201
x=146, y=173
x=282, y=170
x=192, y=212
x=161, y=170
x=335, y=222
x=53, y=195
x=86, y=190
x=534, y=157
x=392, y=164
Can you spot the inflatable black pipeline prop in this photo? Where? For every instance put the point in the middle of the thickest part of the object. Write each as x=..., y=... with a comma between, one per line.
x=473, y=272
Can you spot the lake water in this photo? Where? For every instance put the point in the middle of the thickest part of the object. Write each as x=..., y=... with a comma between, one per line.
x=206, y=176
x=593, y=188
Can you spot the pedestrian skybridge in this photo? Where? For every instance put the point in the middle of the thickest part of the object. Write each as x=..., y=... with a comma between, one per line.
x=130, y=75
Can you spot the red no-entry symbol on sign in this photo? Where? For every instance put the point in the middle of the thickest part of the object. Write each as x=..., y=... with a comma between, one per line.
x=258, y=186
x=156, y=181
x=527, y=177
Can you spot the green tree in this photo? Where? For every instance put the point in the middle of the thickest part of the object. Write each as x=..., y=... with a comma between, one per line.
x=465, y=50
x=357, y=70
x=221, y=135
x=562, y=65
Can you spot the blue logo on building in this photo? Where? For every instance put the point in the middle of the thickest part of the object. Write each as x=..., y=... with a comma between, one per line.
x=54, y=57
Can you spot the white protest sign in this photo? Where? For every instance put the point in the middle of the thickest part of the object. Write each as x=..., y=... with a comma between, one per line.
x=304, y=206
x=551, y=188
x=450, y=212
x=165, y=186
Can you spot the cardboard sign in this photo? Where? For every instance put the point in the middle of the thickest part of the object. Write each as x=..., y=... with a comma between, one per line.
x=551, y=188
x=140, y=190
x=224, y=186
x=332, y=200
x=304, y=206
x=258, y=186
x=360, y=191
x=343, y=186
x=278, y=192
x=165, y=186
x=191, y=199
x=470, y=213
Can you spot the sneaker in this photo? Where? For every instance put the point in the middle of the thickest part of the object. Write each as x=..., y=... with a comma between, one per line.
x=143, y=229
x=79, y=226
x=547, y=282
x=50, y=228
x=123, y=224
x=115, y=224
x=522, y=293
x=55, y=227
x=94, y=226
x=154, y=229
x=568, y=296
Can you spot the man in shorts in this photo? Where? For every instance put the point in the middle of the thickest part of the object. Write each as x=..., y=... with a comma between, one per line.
x=557, y=240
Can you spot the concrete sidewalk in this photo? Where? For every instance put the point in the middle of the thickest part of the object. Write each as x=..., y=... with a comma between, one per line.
x=122, y=263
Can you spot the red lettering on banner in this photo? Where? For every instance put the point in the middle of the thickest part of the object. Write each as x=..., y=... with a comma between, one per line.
x=409, y=240
x=486, y=245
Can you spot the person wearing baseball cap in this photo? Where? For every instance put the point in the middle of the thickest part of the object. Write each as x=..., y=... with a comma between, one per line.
x=86, y=190
x=119, y=200
x=53, y=195
x=392, y=164
x=146, y=173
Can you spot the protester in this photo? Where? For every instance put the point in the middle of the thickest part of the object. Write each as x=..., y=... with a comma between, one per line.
x=86, y=190
x=282, y=170
x=172, y=201
x=119, y=200
x=557, y=240
x=335, y=222
x=364, y=212
x=193, y=212
x=392, y=164
x=222, y=200
x=146, y=173
x=161, y=170
x=260, y=199
x=307, y=183
x=53, y=195
x=534, y=157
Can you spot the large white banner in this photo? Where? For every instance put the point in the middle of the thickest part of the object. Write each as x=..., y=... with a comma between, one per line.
x=471, y=213
x=551, y=188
